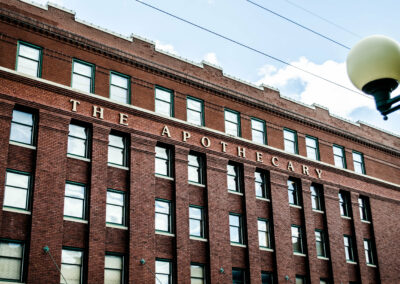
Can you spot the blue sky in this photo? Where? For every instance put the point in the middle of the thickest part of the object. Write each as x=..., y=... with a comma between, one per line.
x=244, y=22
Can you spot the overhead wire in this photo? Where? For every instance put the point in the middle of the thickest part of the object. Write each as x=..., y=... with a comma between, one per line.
x=250, y=48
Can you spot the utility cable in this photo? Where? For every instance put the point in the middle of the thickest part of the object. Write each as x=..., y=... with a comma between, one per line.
x=46, y=249
x=298, y=24
x=143, y=262
x=251, y=48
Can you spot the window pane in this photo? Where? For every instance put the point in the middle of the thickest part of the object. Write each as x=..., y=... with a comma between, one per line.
x=118, y=94
x=163, y=279
x=114, y=214
x=338, y=162
x=234, y=234
x=11, y=249
x=74, y=190
x=81, y=83
x=116, y=156
x=22, y=117
x=77, y=131
x=115, y=198
x=119, y=81
x=231, y=128
x=162, y=267
x=193, y=174
x=234, y=220
x=289, y=135
x=311, y=142
x=82, y=69
x=194, y=117
x=113, y=261
x=17, y=180
x=71, y=273
x=112, y=276
x=162, y=222
x=195, y=227
x=21, y=133
x=196, y=271
x=162, y=167
x=195, y=213
x=73, y=207
x=337, y=151
x=30, y=52
x=76, y=146
x=232, y=117
x=258, y=136
x=116, y=141
x=194, y=105
x=163, y=108
x=311, y=153
x=15, y=197
x=358, y=168
x=289, y=147
x=10, y=269
x=258, y=125
x=161, y=153
x=162, y=207
x=28, y=66
x=71, y=257
x=163, y=95
x=232, y=183
x=262, y=239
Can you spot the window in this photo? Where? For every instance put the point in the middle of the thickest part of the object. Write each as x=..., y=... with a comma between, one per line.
x=113, y=269
x=323, y=281
x=82, y=76
x=29, y=59
x=236, y=228
x=197, y=274
x=196, y=221
x=163, y=161
x=348, y=248
x=117, y=150
x=164, y=103
x=290, y=141
x=266, y=277
x=238, y=276
x=293, y=192
x=195, y=111
x=78, y=141
x=312, y=148
x=120, y=88
x=71, y=266
x=339, y=156
x=115, y=208
x=232, y=122
x=316, y=198
x=234, y=177
x=11, y=260
x=163, y=216
x=75, y=200
x=195, y=169
x=300, y=279
x=22, y=127
x=363, y=205
x=17, y=190
x=369, y=253
x=261, y=185
x=297, y=239
x=321, y=243
x=163, y=271
x=344, y=203
x=264, y=238
x=358, y=161
x=258, y=133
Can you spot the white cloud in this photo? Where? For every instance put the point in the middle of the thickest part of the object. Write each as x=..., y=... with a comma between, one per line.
x=166, y=47
x=211, y=57
x=314, y=90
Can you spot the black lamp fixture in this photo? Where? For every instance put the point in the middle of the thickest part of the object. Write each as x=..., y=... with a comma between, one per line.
x=373, y=66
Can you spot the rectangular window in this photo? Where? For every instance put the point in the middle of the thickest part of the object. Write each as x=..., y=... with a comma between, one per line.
x=290, y=141
x=238, y=276
x=195, y=111
x=115, y=208
x=78, y=141
x=344, y=203
x=117, y=154
x=321, y=243
x=196, y=221
x=358, y=161
x=369, y=253
x=22, y=127
x=234, y=177
x=232, y=122
x=163, y=271
x=339, y=156
x=267, y=277
x=163, y=218
x=348, y=248
x=197, y=274
x=163, y=161
x=297, y=239
x=363, y=205
x=294, y=192
x=82, y=76
x=11, y=260
x=312, y=148
x=323, y=281
x=164, y=101
x=75, y=200
x=195, y=169
x=120, y=87
x=71, y=266
x=114, y=268
x=17, y=190
x=261, y=184
x=316, y=197
x=264, y=237
x=236, y=228
x=300, y=279
x=29, y=59
x=258, y=132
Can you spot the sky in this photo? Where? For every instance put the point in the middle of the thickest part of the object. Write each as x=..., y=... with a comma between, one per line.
x=345, y=22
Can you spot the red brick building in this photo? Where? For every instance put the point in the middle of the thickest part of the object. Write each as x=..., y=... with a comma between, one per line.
x=121, y=162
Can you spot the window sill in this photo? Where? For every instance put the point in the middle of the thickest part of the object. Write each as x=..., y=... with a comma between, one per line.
x=365, y=221
x=198, y=239
x=235, y=192
x=165, y=234
x=299, y=254
x=318, y=211
x=164, y=177
x=22, y=145
x=16, y=210
x=116, y=226
x=323, y=257
x=266, y=249
x=295, y=206
x=346, y=217
x=351, y=262
x=118, y=167
x=66, y=218
x=371, y=265
x=196, y=184
x=10, y=282
x=238, y=245
x=263, y=199
x=78, y=158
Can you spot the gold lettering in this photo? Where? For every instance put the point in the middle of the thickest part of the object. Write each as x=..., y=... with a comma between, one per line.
x=123, y=119
x=185, y=136
x=223, y=146
x=305, y=170
x=75, y=103
x=165, y=131
x=319, y=172
x=274, y=161
x=290, y=166
x=241, y=152
x=205, y=142
x=259, y=157
x=98, y=110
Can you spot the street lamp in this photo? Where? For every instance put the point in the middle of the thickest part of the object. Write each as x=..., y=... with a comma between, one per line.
x=373, y=66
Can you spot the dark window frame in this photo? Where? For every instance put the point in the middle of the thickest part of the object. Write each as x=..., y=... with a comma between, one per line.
x=28, y=190
x=171, y=102
x=317, y=153
x=344, y=203
x=296, y=192
x=349, y=248
x=204, y=268
x=264, y=184
x=92, y=73
x=238, y=124
x=362, y=163
x=323, y=242
x=240, y=228
x=171, y=269
x=40, y=61
x=343, y=157
x=125, y=155
x=202, y=221
x=264, y=132
x=317, y=196
x=87, y=140
x=238, y=177
x=369, y=251
x=300, y=238
x=83, y=260
x=267, y=233
x=168, y=160
x=295, y=141
x=22, y=270
x=202, y=114
x=124, y=207
x=85, y=200
x=201, y=168
x=170, y=215
x=108, y=253
x=128, y=89
x=33, y=126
